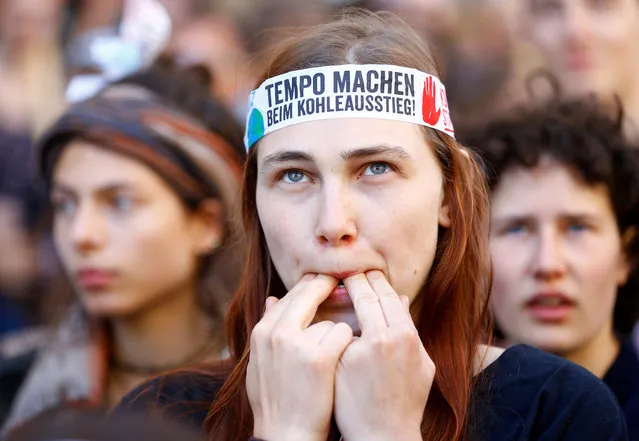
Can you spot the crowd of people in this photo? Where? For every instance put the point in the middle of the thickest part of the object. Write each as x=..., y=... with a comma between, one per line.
x=335, y=220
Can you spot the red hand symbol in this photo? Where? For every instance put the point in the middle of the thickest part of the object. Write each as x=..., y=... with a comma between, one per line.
x=430, y=114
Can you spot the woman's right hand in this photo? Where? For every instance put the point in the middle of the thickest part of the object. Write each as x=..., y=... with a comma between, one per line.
x=291, y=371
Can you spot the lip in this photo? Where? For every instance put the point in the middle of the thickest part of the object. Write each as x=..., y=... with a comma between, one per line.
x=344, y=275
x=338, y=297
x=94, y=279
x=550, y=313
x=579, y=61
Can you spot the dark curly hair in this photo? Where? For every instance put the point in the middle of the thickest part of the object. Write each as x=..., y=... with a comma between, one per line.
x=587, y=137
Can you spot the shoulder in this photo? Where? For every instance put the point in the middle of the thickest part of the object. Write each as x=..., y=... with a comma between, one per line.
x=13, y=371
x=182, y=396
x=530, y=394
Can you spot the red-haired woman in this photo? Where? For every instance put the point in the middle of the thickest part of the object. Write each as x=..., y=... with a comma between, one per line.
x=362, y=310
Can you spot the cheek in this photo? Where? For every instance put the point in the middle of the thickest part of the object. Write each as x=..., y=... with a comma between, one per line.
x=285, y=231
x=509, y=272
x=156, y=252
x=548, y=36
x=599, y=269
x=407, y=239
x=61, y=241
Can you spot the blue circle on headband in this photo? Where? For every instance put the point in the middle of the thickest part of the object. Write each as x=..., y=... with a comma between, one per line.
x=255, y=127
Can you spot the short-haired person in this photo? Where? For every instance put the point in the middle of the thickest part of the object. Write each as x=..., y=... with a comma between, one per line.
x=564, y=239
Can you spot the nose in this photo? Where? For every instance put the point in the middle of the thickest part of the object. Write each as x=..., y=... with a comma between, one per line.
x=87, y=229
x=577, y=23
x=336, y=224
x=549, y=260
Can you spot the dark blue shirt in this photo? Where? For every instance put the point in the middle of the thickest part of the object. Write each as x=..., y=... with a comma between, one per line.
x=526, y=394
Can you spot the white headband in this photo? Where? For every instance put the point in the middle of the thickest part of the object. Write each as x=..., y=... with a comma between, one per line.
x=347, y=91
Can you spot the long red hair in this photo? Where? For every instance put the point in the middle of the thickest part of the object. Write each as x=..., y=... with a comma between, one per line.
x=452, y=310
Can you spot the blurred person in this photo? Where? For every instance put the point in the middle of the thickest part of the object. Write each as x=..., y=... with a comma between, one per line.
x=143, y=191
x=591, y=46
x=264, y=22
x=215, y=42
x=564, y=239
x=434, y=17
x=480, y=60
x=363, y=309
x=29, y=36
x=91, y=425
x=182, y=12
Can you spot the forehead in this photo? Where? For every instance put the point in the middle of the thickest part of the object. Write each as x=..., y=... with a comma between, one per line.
x=327, y=139
x=547, y=189
x=84, y=165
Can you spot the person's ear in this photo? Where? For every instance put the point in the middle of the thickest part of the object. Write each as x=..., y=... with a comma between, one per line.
x=627, y=262
x=443, y=217
x=208, y=226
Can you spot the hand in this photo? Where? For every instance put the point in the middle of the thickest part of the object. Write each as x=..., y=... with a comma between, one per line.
x=291, y=372
x=384, y=377
x=430, y=113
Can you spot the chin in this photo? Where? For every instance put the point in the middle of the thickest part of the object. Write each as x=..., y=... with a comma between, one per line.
x=558, y=342
x=106, y=306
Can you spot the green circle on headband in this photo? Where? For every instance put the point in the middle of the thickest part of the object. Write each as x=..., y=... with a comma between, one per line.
x=255, y=128
x=347, y=91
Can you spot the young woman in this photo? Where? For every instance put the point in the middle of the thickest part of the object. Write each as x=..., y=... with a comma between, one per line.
x=144, y=200
x=362, y=308
x=591, y=46
x=564, y=242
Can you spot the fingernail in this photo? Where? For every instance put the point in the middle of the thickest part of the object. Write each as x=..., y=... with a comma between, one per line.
x=375, y=274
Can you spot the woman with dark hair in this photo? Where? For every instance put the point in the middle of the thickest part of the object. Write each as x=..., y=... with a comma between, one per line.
x=362, y=311
x=564, y=241
x=145, y=220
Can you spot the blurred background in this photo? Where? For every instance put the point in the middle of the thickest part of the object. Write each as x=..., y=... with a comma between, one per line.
x=53, y=52
x=56, y=52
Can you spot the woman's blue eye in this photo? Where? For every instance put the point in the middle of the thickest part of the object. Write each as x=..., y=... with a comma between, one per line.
x=63, y=206
x=122, y=203
x=293, y=176
x=376, y=168
x=516, y=229
x=577, y=227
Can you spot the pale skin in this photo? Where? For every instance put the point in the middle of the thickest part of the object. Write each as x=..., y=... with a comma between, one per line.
x=318, y=185
x=552, y=233
x=115, y=214
x=590, y=46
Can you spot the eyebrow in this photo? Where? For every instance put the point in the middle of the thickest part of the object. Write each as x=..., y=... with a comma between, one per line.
x=508, y=219
x=273, y=159
x=113, y=187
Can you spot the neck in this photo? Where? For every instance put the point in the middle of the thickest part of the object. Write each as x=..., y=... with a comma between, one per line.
x=164, y=335
x=598, y=354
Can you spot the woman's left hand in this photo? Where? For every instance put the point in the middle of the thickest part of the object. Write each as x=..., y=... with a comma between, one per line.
x=384, y=377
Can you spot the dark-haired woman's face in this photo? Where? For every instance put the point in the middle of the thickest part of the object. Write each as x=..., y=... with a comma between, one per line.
x=591, y=45
x=346, y=196
x=126, y=241
x=557, y=257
